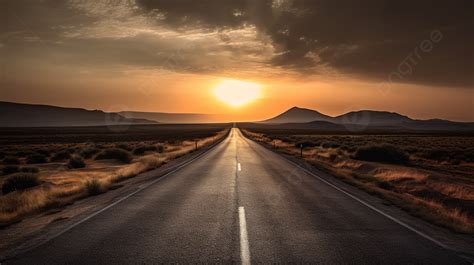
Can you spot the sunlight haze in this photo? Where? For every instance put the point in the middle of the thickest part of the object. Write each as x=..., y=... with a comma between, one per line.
x=126, y=55
x=236, y=132
x=237, y=93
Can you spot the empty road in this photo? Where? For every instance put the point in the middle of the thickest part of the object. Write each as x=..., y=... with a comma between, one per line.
x=239, y=203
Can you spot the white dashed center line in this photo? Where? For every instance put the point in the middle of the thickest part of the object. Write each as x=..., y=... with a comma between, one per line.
x=239, y=167
x=244, y=242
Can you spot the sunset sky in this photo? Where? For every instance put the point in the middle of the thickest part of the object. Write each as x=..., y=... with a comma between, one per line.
x=412, y=57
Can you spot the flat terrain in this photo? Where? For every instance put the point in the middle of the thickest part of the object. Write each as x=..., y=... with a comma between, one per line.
x=239, y=203
x=49, y=168
x=428, y=175
x=115, y=133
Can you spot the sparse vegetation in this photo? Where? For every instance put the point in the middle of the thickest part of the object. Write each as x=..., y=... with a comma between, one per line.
x=76, y=162
x=44, y=152
x=36, y=158
x=141, y=149
x=10, y=170
x=124, y=146
x=94, y=187
x=144, y=164
x=19, y=182
x=9, y=160
x=306, y=143
x=330, y=144
x=385, y=153
x=61, y=155
x=59, y=185
x=115, y=153
x=160, y=148
x=88, y=152
x=23, y=153
x=428, y=176
x=33, y=170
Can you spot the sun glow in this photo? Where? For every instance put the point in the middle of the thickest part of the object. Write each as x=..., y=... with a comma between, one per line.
x=237, y=93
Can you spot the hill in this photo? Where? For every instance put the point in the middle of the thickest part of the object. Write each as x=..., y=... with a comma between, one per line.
x=299, y=115
x=31, y=115
x=371, y=117
x=163, y=117
x=362, y=120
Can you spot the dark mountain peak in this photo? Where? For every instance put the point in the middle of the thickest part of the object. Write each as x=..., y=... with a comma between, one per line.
x=360, y=120
x=380, y=112
x=377, y=113
x=298, y=115
x=298, y=109
x=35, y=115
x=372, y=117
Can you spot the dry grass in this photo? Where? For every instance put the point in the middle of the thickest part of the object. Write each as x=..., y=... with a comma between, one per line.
x=440, y=192
x=453, y=190
x=17, y=205
x=142, y=165
x=62, y=186
x=399, y=173
x=94, y=187
x=441, y=215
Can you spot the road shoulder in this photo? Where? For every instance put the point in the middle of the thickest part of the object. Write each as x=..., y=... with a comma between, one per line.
x=459, y=243
x=38, y=229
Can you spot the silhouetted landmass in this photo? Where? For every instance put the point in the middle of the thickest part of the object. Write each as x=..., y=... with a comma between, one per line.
x=371, y=117
x=299, y=115
x=163, y=117
x=359, y=121
x=29, y=115
x=116, y=133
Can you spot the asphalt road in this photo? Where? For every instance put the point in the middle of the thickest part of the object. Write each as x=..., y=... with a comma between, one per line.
x=239, y=203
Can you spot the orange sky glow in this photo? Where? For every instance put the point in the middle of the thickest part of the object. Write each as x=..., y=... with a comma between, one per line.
x=128, y=56
x=188, y=93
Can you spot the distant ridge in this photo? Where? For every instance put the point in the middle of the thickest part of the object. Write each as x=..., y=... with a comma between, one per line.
x=163, y=117
x=33, y=115
x=298, y=115
x=367, y=117
x=363, y=120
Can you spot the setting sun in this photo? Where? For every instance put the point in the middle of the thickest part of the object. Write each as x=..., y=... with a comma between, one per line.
x=237, y=93
x=279, y=131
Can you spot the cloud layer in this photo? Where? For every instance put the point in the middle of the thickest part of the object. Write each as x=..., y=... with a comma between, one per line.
x=423, y=42
x=369, y=38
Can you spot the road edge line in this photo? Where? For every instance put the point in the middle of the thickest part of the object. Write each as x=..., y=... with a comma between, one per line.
x=105, y=208
x=354, y=197
x=409, y=227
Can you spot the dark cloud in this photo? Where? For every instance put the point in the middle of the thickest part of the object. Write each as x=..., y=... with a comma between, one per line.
x=209, y=13
x=142, y=51
x=385, y=40
x=38, y=18
x=375, y=38
x=372, y=38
